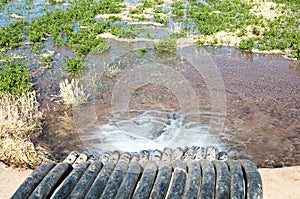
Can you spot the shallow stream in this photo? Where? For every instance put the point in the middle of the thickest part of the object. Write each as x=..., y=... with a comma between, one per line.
x=244, y=103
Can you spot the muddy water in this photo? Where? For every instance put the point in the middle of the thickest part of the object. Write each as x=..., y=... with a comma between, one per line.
x=263, y=106
x=255, y=115
x=246, y=104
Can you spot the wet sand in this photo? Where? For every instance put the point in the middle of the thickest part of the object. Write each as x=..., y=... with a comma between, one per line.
x=277, y=183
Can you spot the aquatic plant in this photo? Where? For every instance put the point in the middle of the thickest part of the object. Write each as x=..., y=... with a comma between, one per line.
x=20, y=118
x=271, y=33
x=14, y=78
x=165, y=46
x=11, y=35
x=136, y=11
x=52, y=2
x=60, y=26
x=177, y=8
x=159, y=19
x=141, y=50
x=112, y=71
x=72, y=93
x=73, y=64
x=247, y=44
x=124, y=31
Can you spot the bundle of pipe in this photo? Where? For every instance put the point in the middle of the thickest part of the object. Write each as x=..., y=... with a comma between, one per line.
x=197, y=172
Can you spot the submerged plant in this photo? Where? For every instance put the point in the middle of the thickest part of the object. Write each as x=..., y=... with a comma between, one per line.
x=124, y=31
x=165, y=46
x=112, y=71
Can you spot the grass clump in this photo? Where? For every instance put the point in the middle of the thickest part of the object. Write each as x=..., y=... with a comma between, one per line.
x=72, y=93
x=20, y=118
x=165, y=46
x=159, y=19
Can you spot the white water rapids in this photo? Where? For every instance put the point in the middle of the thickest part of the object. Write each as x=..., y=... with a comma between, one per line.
x=149, y=129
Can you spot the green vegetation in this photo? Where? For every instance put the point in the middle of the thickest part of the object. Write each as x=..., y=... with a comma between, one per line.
x=20, y=117
x=47, y=59
x=124, y=32
x=159, y=19
x=141, y=50
x=62, y=26
x=136, y=11
x=77, y=27
x=11, y=35
x=14, y=78
x=247, y=44
x=280, y=32
x=73, y=64
x=178, y=8
x=165, y=46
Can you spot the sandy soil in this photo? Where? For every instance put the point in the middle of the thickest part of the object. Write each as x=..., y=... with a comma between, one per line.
x=281, y=183
x=11, y=179
x=277, y=183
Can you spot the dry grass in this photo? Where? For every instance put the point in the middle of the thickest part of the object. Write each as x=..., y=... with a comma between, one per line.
x=72, y=93
x=20, y=117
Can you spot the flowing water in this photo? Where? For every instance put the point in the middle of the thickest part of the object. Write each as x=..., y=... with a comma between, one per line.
x=25, y=9
x=246, y=104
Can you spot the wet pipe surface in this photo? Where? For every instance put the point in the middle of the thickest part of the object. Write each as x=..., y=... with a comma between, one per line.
x=196, y=172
